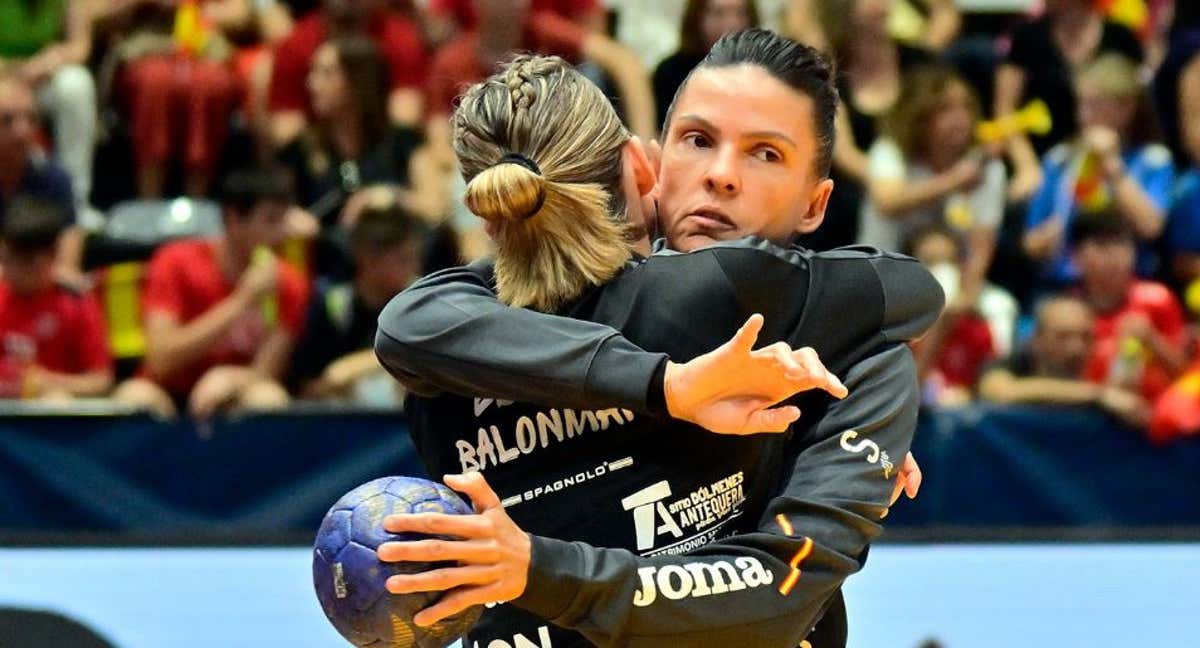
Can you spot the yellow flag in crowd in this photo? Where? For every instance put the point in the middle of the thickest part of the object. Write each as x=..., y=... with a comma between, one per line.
x=1132, y=13
x=192, y=29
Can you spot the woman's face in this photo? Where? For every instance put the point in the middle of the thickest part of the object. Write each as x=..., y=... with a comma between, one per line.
x=1097, y=108
x=326, y=82
x=723, y=16
x=951, y=126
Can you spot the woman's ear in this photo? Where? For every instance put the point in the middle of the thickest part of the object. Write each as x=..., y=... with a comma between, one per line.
x=818, y=200
x=637, y=163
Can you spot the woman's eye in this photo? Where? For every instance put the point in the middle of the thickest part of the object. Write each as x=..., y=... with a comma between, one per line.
x=696, y=139
x=768, y=155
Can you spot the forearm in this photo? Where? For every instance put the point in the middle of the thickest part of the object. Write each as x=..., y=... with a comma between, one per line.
x=272, y=356
x=1172, y=357
x=1006, y=389
x=981, y=247
x=404, y=106
x=78, y=46
x=1022, y=154
x=895, y=199
x=748, y=589
x=944, y=23
x=1040, y=242
x=70, y=249
x=91, y=383
x=105, y=13
x=1137, y=208
x=229, y=15
x=170, y=348
x=342, y=373
x=449, y=332
x=285, y=126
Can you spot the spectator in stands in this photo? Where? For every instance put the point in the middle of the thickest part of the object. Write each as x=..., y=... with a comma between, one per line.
x=52, y=340
x=925, y=169
x=931, y=24
x=501, y=27
x=1140, y=327
x=1049, y=371
x=398, y=39
x=446, y=19
x=221, y=314
x=351, y=143
x=950, y=357
x=336, y=356
x=704, y=21
x=871, y=66
x=1039, y=64
x=1177, y=82
x=1182, y=85
x=25, y=170
x=179, y=89
x=1115, y=163
x=276, y=18
x=47, y=44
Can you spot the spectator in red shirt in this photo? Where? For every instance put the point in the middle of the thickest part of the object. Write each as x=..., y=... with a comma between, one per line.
x=351, y=145
x=1049, y=370
x=179, y=97
x=398, y=38
x=448, y=18
x=1140, y=327
x=24, y=170
x=542, y=27
x=54, y=345
x=221, y=314
x=955, y=351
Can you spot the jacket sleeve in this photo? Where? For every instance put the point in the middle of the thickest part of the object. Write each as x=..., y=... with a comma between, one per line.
x=449, y=333
x=764, y=588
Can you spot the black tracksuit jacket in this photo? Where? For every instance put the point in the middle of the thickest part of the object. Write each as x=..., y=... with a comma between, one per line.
x=648, y=531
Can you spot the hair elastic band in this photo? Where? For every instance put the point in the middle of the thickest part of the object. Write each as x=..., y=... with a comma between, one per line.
x=521, y=160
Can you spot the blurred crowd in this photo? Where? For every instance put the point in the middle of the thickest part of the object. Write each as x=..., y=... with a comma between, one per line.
x=204, y=204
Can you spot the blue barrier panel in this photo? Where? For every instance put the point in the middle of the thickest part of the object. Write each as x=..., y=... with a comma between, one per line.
x=250, y=475
x=990, y=466
x=277, y=474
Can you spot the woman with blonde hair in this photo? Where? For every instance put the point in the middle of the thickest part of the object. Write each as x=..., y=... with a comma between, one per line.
x=1115, y=164
x=561, y=184
x=559, y=221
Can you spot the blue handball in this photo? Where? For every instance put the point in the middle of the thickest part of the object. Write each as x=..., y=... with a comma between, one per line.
x=350, y=579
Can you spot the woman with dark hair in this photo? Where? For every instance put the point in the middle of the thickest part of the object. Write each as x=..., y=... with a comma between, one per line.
x=704, y=21
x=351, y=150
x=925, y=169
x=1040, y=65
x=870, y=67
x=351, y=143
x=1179, y=71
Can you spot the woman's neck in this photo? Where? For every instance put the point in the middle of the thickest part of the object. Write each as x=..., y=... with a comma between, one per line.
x=346, y=137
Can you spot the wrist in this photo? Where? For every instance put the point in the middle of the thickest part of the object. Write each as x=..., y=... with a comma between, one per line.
x=1114, y=167
x=671, y=379
x=243, y=297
